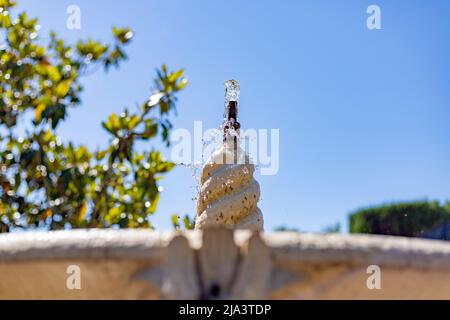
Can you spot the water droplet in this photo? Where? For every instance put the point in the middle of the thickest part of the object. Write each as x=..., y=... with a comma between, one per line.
x=232, y=91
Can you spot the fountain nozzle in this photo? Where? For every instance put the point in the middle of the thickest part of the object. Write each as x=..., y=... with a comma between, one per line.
x=232, y=92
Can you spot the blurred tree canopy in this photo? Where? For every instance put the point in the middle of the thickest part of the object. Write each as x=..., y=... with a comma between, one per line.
x=48, y=183
x=409, y=219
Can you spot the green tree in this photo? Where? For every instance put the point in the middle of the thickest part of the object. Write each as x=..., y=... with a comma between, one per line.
x=284, y=228
x=332, y=228
x=48, y=183
x=409, y=219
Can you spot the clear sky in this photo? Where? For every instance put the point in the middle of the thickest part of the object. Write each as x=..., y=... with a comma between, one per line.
x=363, y=114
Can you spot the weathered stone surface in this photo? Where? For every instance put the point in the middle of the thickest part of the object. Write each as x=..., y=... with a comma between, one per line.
x=141, y=264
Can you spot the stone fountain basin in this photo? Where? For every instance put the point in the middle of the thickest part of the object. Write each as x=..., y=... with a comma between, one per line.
x=143, y=264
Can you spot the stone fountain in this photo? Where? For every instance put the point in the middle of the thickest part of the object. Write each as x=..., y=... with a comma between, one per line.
x=227, y=257
x=219, y=263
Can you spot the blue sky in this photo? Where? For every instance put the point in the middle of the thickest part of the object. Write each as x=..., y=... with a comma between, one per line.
x=363, y=114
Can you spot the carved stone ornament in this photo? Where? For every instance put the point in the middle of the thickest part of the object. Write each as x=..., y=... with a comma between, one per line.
x=219, y=269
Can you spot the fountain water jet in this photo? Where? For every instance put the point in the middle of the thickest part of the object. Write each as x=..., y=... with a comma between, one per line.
x=229, y=194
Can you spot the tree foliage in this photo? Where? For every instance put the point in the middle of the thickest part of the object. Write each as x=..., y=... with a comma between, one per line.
x=185, y=223
x=409, y=219
x=46, y=182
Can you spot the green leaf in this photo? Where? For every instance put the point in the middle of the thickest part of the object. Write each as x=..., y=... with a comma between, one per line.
x=38, y=111
x=101, y=155
x=188, y=224
x=54, y=113
x=165, y=167
x=175, y=221
x=63, y=87
x=133, y=122
x=174, y=76
x=113, y=215
x=53, y=73
x=182, y=84
x=123, y=35
x=112, y=125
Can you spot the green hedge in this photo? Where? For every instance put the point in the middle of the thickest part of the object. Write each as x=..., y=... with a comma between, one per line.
x=410, y=219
